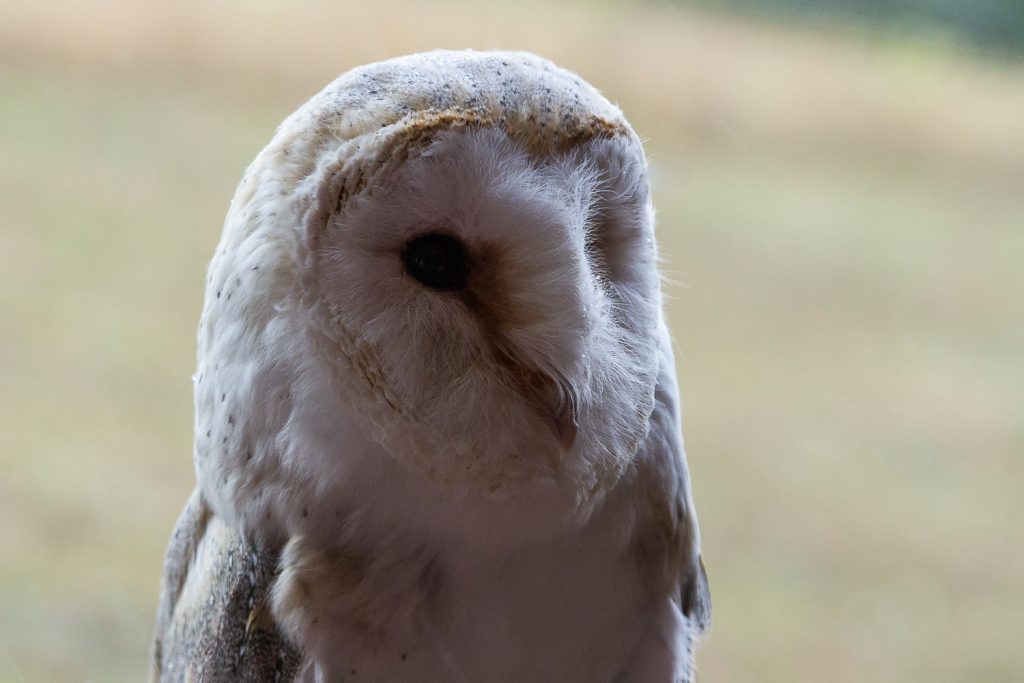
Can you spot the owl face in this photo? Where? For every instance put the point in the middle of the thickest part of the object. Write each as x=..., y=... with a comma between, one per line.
x=444, y=262
x=491, y=314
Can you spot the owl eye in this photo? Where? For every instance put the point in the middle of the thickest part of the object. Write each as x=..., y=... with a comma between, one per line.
x=438, y=261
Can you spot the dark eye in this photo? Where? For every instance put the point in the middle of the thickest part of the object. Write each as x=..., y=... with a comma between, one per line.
x=438, y=261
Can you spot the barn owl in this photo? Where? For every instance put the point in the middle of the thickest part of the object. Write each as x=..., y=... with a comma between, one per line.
x=437, y=434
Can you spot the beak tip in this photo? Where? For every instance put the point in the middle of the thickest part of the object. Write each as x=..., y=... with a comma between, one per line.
x=566, y=428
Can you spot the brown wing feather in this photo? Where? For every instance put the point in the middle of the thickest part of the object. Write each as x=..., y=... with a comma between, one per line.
x=214, y=621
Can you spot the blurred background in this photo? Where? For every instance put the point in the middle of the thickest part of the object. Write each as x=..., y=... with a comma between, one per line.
x=840, y=188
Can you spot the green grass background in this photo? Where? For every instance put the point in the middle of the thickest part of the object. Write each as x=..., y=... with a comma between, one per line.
x=842, y=219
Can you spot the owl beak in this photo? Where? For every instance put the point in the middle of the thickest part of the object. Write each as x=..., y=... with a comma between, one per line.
x=565, y=424
x=549, y=394
x=563, y=411
x=551, y=397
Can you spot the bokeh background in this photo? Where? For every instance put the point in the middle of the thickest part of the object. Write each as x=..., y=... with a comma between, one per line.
x=840, y=189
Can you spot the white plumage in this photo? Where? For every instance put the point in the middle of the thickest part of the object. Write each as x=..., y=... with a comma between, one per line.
x=437, y=431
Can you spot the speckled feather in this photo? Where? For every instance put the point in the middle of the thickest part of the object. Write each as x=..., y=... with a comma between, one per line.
x=214, y=614
x=374, y=509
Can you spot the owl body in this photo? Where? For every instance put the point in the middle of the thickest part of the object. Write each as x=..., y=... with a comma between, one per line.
x=437, y=431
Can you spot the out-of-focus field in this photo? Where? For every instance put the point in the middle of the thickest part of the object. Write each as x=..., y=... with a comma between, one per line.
x=842, y=219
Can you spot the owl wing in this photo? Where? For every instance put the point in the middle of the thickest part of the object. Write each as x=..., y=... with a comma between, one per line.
x=666, y=543
x=214, y=621
x=695, y=596
x=676, y=541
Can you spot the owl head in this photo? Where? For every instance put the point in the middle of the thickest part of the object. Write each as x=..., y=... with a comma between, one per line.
x=442, y=265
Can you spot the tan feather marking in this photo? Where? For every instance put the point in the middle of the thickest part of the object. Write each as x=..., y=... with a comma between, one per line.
x=260, y=619
x=417, y=130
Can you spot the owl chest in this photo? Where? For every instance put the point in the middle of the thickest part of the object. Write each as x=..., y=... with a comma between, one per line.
x=565, y=614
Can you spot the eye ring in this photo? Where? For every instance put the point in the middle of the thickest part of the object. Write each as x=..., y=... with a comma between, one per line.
x=437, y=260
